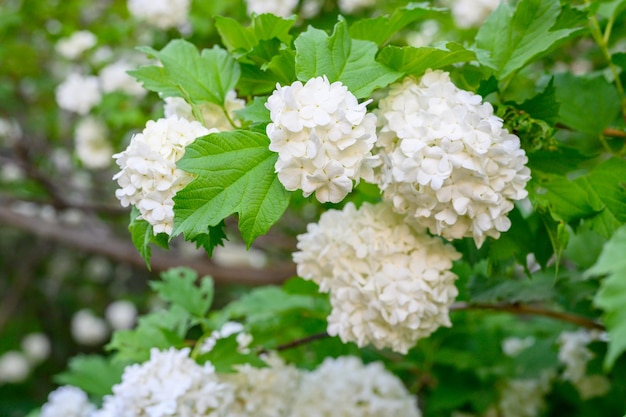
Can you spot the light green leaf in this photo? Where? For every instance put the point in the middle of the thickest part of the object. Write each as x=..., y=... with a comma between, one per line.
x=340, y=58
x=515, y=37
x=142, y=235
x=416, y=61
x=93, y=374
x=225, y=355
x=380, y=29
x=612, y=294
x=178, y=286
x=235, y=174
x=610, y=9
x=255, y=112
x=240, y=39
x=186, y=73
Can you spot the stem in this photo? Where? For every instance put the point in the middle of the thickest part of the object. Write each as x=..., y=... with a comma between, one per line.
x=296, y=343
x=232, y=123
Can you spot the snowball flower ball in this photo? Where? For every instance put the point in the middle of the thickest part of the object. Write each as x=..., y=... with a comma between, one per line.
x=91, y=143
x=121, y=314
x=346, y=387
x=448, y=163
x=323, y=137
x=88, y=329
x=472, y=13
x=67, y=401
x=73, y=46
x=78, y=93
x=282, y=8
x=149, y=178
x=14, y=367
x=389, y=284
x=36, y=347
x=163, y=14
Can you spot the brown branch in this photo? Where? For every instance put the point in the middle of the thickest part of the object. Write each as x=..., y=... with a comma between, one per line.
x=518, y=308
x=615, y=133
x=100, y=241
x=296, y=343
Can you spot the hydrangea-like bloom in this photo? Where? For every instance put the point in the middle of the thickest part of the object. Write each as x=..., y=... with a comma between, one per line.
x=389, y=285
x=67, y=401
x=323, y=137
x=353, y=6
x=149, y=178
x=344, y=387
x=212, y=114
x=169, y=384
x=114, y=77
x=447, y=161
x=282, y=8
x=92, y=145
x=78, y=93
x=73, y=46
x=164, y=14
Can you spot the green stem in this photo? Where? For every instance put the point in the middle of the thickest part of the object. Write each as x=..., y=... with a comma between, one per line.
x=232, y=123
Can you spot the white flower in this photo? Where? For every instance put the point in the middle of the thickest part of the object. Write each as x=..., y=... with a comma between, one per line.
x=169, y=384
x=67, y=401
x=513, y=346
x=389, y=285
x=72, y=47
x=448, y=163
x=88, y=329
x=36, y=347
x=164, y=14
x=92, y=145
x=524, y=397
x=114, y=77
x=213, y=116
x=10, y=131
x=149, y=178
x=14, y=367
x=344, y=387
x=78, y=93
x=237, y=255
x=121, y=314
x=228, y=329
x=574, y=354
x=282, y=8
x=323, y=137
x=353, y=6
x=472, y=13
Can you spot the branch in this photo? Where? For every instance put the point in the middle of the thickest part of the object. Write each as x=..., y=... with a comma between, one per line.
x=518, y=308
x=296, y=343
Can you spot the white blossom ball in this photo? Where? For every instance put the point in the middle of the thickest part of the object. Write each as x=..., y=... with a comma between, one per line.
x=389, y=283
x=78, y=93
x=88, y=329
x=115, y=77
x=36, y=347
x=282, y=8
x=14, y=367
x=170, y=384
x=354, y=6
x=73, y=46
x=213, y=116
x=323, y=137
x=149, y=178
x=574, y=353
x=121, y=314
x=448, y=163
x=472, y=13
x=163, y=14
x=67, y=401
x=91, y=143
x=524, y=397
x=345, y=387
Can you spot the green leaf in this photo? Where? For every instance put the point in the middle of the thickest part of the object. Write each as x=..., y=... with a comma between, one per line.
x=340, y=58
x=538, y=288
x=416, y=61
x=235, y=174
x=93, y=374
x=382, y=28
x=178, y=286
x=142, y=235
x=209, y=241
x=514, y=38
x=225, y=355
x=588, y=104
x=239, y=39
x=610, y=9
x=186, y=73
x=612, y=294
x=255, y=112
x=543, y=106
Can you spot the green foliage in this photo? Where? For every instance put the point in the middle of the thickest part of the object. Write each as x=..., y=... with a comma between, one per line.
x=415, y=61
x=143, y=236
x=91, y=373
x=240, y=39
x=229, y=166
x=181, y=287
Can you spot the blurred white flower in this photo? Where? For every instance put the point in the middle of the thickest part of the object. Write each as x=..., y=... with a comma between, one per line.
x=91, y=143
x=354, y=6
x=213, y=116
x=472, y=13
x=36, y=347
x=282, y=8
x=10, y=131
x=88, y=329
x=164, y=14
x=78, y=93
x=237, y=255
x=67, y=401
x=389, y=284
x=73, y=46
x=513, y=346
x=14, y=367
x=114, y=77
x=121, y=314
x=228, y=329
x=524, y=397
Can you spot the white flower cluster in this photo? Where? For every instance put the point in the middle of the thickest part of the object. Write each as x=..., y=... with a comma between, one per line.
x=282, y=8
x=448, y=162
x=323, y=137
x=149, y=178
x=346, y=387
x=163, y=14
x=353, y=6
x=67, y=401
x=73, y=46
x=169, y=384
x=389, y=285
x=114, y=77
x=212, y=114
x=91, y=144
x=524, y=397
x=78, y=93
x=472, y=13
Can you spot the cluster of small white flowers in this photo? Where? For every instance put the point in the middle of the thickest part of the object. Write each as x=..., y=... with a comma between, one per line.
x=114, y=77
x=346, y=387
x=234, y=254
x=169, y=384
x=73, y=46
x=164, y=14
x=91, y=144
x=448, y=163
x=513, y=346
x=389, y=285
x=472, y=13
x=78, y=93
x=121, y=314
x=149, y=178
x=67, y=401
x=353, y=6
x=282, y=8
x=212, y=114
x=88, y=329
x=323, y=137
x=524, y=397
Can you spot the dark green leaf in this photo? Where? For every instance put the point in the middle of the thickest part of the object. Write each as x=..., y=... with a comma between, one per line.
x=209, y=241
x=93, y=374
x=142, y=235
x=416, y=61
x=543, y=106
x=238, y=38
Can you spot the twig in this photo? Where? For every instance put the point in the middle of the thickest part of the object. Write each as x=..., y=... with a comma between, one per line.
x=297, y=342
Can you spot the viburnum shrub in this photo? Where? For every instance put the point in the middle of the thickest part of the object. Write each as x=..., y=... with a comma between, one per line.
x=464, y=185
